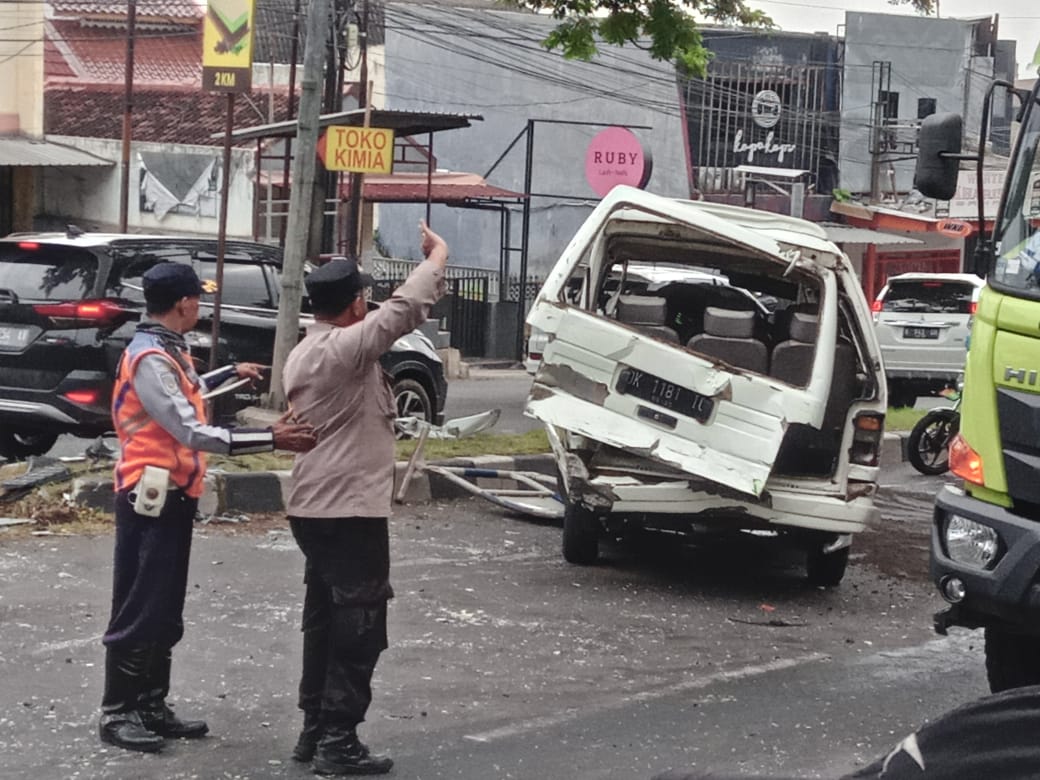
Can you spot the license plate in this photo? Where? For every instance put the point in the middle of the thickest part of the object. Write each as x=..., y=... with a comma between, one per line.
x=12, y=337
x=675, y=398
x=920, y=333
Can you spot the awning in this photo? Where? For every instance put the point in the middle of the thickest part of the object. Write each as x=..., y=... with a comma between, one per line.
x=401, y=122
x=845, y=234
x=444, y=187
x=20, y=151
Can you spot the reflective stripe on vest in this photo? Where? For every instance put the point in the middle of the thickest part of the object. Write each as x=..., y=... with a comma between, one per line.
x=143, y=442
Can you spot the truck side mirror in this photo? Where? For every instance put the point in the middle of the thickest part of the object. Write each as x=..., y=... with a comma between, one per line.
x=936, y=176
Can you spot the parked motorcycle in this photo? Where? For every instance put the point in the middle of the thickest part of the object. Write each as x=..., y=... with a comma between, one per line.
x=928, y=446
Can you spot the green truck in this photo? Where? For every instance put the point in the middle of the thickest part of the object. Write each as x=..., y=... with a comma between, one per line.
x=985, y=547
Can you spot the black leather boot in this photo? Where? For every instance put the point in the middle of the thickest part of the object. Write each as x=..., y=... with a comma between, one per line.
x=309, y=737
x=155, y=712
x=121, y=723
x=340, y=752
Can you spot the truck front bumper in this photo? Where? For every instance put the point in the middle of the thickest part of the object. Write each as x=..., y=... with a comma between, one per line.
x=1005, y=594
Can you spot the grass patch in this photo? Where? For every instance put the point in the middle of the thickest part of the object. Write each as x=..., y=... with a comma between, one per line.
x=530, y=443
x=902, y=418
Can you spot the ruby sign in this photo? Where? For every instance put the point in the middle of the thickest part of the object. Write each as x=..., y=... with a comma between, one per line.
x=614, y=157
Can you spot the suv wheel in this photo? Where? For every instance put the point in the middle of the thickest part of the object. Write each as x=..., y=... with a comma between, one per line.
x=412, y=400
x=18, y=444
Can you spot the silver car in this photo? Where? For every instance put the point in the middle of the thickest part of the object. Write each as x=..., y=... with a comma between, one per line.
x=922, y=323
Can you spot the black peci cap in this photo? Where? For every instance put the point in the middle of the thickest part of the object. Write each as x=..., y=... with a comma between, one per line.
x=334, y=286
x=166, y=283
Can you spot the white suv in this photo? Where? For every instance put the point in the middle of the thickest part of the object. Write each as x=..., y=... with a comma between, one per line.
x=922, y=323
x=755, y=404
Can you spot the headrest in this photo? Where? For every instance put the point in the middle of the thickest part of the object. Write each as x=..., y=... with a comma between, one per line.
x=803, y=327
x=642, y=309
x=729, y=323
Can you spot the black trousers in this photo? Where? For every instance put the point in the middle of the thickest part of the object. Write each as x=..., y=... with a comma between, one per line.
x=150, y=573
x=347, y=578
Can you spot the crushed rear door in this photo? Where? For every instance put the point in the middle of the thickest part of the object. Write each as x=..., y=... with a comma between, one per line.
x=602, y=380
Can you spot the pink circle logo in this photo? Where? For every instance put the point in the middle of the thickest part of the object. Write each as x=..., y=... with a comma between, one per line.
x=615, y=157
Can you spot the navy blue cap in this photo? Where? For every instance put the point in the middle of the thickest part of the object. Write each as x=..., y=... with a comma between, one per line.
x=167, y=283
x=334, y=286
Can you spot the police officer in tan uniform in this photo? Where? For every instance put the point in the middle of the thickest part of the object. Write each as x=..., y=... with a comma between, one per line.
x=160, y=420
x=340, y=497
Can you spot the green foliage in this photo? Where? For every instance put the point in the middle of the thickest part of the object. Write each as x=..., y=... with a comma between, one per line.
x=925, y=7
x=667, y=29
x=840, y=195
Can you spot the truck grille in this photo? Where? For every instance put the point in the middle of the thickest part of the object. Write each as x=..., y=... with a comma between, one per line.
x=1019, y=416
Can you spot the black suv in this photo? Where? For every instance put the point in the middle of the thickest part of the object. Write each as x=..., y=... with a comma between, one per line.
x=69, y=304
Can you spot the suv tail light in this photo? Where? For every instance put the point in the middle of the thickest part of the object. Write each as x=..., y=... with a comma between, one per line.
x=875, y=306
x=83, y=314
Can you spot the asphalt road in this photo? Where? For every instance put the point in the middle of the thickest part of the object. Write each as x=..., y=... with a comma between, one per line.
x=506, y=662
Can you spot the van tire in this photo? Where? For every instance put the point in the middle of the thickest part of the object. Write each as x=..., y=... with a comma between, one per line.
x=1012, y=660
x=18, y=444
x=580, y=535
x=826, y=569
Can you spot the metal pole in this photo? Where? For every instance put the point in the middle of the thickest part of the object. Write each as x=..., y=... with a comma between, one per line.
x=287, y=332
x=287, y=143
x=128, y=107
x=524, y=242
x=354, y=207
x=225, y=187
x=429, y=177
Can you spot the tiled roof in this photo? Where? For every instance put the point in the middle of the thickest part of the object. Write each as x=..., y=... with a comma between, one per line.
x=171, y=115
x=96, y=54
x=146, y=9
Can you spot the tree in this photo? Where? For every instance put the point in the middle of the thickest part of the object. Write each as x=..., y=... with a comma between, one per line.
x=668, y=29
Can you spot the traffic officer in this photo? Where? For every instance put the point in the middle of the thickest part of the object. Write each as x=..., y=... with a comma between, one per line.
x=160, y=420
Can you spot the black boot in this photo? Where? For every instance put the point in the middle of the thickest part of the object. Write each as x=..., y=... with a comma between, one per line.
x=340, y=752
x=120, y=723
x=155, y=712
x=310, y=735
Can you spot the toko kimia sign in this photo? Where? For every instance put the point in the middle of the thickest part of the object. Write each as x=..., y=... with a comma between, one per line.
x=357, y=149
x=615, y=156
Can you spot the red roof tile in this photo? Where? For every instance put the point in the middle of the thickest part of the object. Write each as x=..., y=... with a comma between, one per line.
x=171, y=115
x=96, y=54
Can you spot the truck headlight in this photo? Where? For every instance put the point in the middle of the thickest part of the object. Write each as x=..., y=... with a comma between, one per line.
x=971, y=543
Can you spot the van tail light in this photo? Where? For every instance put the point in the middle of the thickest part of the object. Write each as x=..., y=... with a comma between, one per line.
x=84, y=314
x=875, y=306
x=965, y=462
x=85, y=397
x=868, y=433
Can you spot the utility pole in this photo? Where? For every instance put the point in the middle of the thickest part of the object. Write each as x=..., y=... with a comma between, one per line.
x=354, y=206
x=128, y=109
x=299, y=221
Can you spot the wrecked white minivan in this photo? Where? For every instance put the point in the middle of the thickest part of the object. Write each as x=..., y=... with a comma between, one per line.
x=709, y=368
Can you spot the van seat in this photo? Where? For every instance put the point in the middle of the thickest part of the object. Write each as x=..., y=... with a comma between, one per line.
x=729, y=335
x=792, y=359
x=646, y=313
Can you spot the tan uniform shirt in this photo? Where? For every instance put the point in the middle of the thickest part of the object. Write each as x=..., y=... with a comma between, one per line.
x=334, y=381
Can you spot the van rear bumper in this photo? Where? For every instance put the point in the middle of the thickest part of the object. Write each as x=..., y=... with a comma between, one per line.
x=778, y=508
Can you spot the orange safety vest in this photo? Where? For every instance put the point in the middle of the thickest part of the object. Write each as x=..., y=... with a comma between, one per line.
x=143, y=442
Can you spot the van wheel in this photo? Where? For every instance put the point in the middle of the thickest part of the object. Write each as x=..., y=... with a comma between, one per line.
x=1012, y=660
x=18, y=445
x=580, y=535
x=826, y=569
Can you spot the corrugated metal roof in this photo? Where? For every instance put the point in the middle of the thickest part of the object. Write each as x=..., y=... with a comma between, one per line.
x=844, y=234
x=18, y=151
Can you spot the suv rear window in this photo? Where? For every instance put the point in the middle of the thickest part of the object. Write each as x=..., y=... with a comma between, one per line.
x=245, y=283
x=929, y=296
x=46, y=273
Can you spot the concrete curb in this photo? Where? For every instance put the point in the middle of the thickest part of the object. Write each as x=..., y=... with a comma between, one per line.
x=232, y=493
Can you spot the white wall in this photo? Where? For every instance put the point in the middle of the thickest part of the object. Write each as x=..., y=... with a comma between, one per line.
x=89, y=197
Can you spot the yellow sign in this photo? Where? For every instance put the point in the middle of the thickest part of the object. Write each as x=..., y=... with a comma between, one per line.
x=359, y=149
x=227, y=46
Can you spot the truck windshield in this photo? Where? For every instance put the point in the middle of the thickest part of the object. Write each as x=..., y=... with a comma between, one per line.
x=1017, y=267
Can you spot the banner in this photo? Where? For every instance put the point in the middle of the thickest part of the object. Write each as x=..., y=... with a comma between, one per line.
x=227, y=46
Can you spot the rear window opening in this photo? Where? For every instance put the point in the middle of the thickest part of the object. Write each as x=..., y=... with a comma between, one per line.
x=928, y=297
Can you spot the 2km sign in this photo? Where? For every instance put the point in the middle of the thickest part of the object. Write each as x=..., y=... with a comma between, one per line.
x=357, y=149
